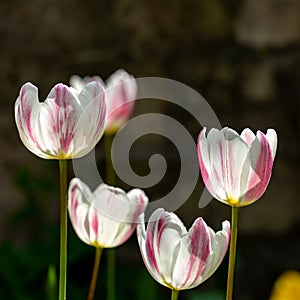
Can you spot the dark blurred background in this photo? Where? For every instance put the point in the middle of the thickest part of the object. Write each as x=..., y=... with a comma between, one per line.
x=242, y=56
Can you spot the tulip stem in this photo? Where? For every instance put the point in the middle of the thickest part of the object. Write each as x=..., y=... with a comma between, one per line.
x=110, y=179
x=111, y=265
x=63, y=164
x=174, y=295
x=110, y=172
x=232, y=251
x=98, y=253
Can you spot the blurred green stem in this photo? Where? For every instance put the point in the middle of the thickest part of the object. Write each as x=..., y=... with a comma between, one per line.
x=51, y=286
x=174, y=295
x=232, y=251
x=111, y=255
x=110, y=172
x=63, y=166
x=95, y=273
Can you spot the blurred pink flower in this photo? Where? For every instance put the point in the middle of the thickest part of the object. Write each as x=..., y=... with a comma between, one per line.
x=106, y=217
x=177, y=258
x=121, y=91
x=236, y=169
x=67, y=125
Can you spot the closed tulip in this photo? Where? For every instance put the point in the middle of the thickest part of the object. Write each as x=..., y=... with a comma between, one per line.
x=121, y=91
x=236, y=169
x=106, y=217
x=177, y=258
x=66, y=125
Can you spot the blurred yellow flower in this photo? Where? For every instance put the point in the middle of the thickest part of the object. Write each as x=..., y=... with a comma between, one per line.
x=287, y=286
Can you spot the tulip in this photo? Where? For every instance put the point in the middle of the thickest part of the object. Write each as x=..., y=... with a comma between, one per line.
x=236, y=169
x=67, y=125
x=177, y=258
x=106, y=217
x=121, y=91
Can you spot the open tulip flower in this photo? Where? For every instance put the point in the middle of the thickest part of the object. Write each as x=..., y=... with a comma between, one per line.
x=106, y=217
x=177, y=258
x=121, y=91
x=67, y=125
x=236, y=169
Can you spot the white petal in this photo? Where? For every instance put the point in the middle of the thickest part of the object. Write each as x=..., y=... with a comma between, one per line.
x=248, y=136
x=228, y=155
x=27, y=109
x=192, y=255
x=272, y=139
x=219, y=244
x=78, y=205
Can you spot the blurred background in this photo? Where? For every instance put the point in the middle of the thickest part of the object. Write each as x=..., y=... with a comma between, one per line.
x=243, y=57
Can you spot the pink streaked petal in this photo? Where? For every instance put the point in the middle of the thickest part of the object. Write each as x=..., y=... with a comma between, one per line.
x=121, y=92
x=248, y=136
x=219, y=244
x=262, y=162
x=204, y=158
x=141, y=235
x=95, y=226
x=192, y=255
x=58, y=120
x=169, y=232
x=151, y=240
x=138, y=201
x=27, y=108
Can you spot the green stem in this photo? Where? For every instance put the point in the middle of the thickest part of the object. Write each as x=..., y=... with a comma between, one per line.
x=232, y=251
x=174, y=295
x=111, y=255
x=110, y=172
x=63, y=164
x=95, y=274
x=111, y=267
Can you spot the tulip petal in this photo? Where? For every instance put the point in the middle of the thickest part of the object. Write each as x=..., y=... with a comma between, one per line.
x=228, y=153
x=27, y=109
x=91, y=124
x=78, y=206
x=192, y=255
x=58, y=120
x=272, y=139
x=168, y=232
x=149, y=260
x=262, y=162
x=248, y=136
x=219, y=243
x=121, y=89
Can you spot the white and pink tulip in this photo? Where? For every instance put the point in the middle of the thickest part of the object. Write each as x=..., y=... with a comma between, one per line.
x=121, y=91
x=177, y=258
x=236, y=169
x=66, y=125
x=107, y=217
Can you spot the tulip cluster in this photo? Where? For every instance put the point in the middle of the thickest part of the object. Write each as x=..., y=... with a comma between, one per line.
x=236, y=169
